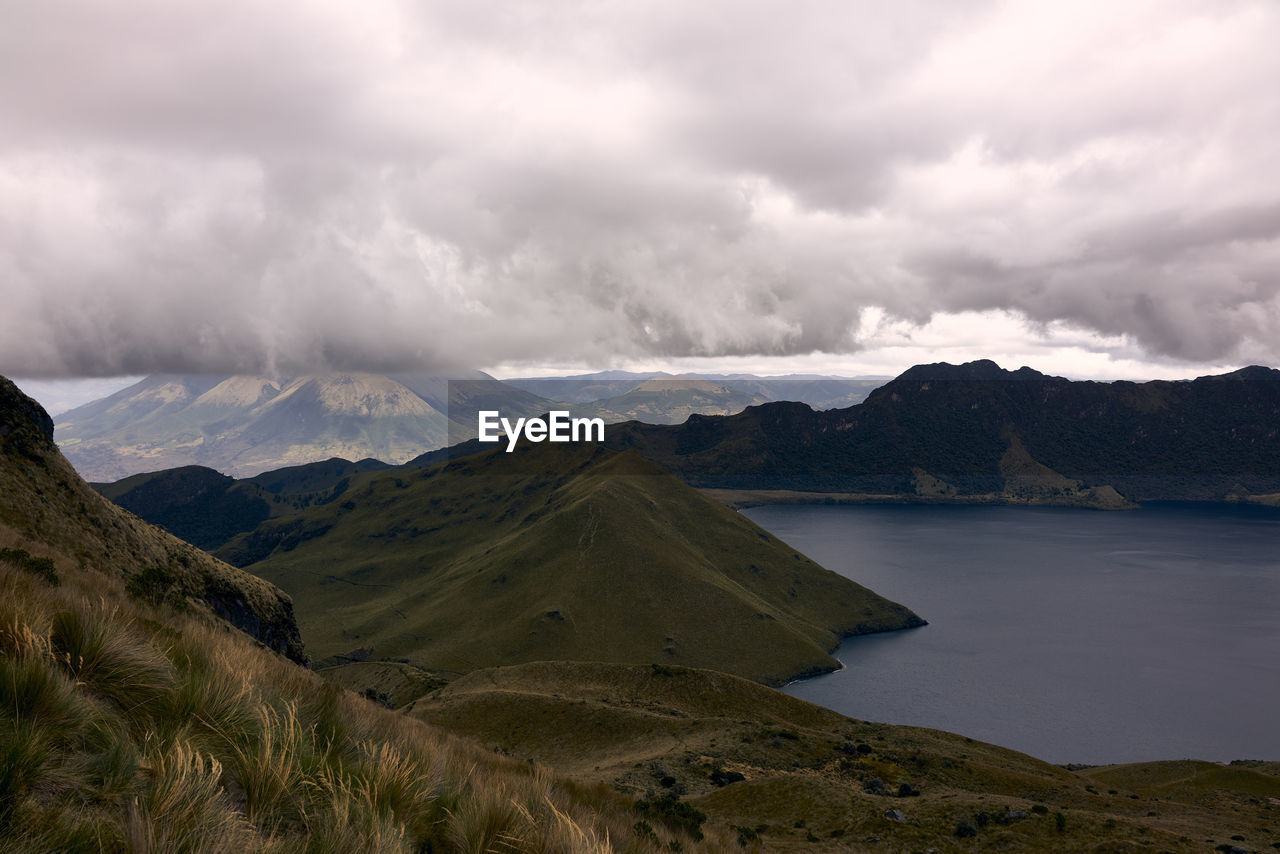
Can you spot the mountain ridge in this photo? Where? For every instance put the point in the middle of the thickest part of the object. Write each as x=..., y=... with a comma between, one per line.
x=554, y=552
x=1212, y=438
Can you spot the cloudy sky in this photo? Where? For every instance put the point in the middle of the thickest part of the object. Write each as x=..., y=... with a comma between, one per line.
x=1090, y=188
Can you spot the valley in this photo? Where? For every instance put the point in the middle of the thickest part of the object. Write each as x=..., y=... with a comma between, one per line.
x=581, y=609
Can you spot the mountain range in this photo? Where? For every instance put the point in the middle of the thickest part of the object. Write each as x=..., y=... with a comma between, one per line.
x=245, y=425
x=818, y=390
x=133, y=716
x=976, y=432
x=941, y=433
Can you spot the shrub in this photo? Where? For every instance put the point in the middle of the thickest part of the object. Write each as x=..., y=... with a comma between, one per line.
x=722, y=777
x=38, y=566
x=675, y=814
x=373, y=695
x=644, y=830
x=154, y=584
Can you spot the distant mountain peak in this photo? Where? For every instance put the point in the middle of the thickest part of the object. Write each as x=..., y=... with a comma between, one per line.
x=240, y=391
x=980, y=369
x=246, y=424
x=357, y=394
x=1252, y=372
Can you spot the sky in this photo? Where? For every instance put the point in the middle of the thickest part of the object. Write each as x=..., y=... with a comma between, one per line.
x=1088, y=188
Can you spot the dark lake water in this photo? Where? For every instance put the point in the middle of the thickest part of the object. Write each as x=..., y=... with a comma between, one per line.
x=1072, y=635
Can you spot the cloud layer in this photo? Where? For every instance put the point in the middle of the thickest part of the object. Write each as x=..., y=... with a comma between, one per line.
x=237, y=186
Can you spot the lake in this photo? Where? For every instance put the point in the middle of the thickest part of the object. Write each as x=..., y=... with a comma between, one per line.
x=1072, y=635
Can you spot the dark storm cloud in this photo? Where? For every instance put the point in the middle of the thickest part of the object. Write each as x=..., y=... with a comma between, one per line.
x=280, y=187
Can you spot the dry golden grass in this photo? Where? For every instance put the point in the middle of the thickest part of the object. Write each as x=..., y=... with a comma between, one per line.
x=133, y=727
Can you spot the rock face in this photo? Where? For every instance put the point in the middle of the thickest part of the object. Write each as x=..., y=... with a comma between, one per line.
x=47, y=507
x=23, y=422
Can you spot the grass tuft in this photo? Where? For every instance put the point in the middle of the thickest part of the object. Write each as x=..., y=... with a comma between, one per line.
x=185, y=809
x=99, y=651
x=269, y=769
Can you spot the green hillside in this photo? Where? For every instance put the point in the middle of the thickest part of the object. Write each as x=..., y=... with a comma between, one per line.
x=554, y=552
x=207, y=508
x=132, y=719
x=798, y=777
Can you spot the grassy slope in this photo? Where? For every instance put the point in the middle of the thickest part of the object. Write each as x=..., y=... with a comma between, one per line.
x=555, y=553
x=806, y=777
x=47, y=510
x=133, y=722
x=132, y=727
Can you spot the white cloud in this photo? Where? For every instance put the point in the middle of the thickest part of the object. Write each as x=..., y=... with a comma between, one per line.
x=228, y=187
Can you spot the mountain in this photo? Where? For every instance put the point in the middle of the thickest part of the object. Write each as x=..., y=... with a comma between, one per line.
x=244, y=425
x=817, y=390
x=47, y=511
x=460, y=397
x=584, y=388
x=668, y=400
x=554, y=552
x=976, y=432
x=134, y=719
x=206, y=508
